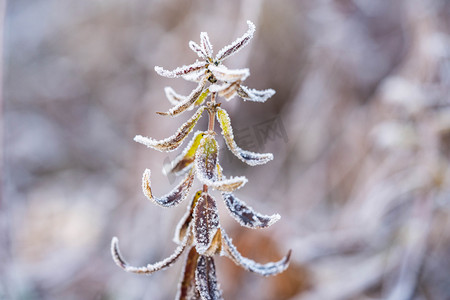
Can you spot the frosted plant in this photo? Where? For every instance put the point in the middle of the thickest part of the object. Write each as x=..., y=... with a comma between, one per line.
x=199, y=231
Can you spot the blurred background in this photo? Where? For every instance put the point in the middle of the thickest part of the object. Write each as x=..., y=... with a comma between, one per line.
x=359, y=126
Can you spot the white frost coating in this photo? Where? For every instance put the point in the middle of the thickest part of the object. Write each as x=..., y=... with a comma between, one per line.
x=267, y=269
x=206, y=163
x=173, y=97
x=255, y=95
x=250, y=158
x=226, y=185
x=222, y=73
x=238, y=44
x=195, y=76
x=150, y=268
x=188, y=101
x=169, y=168
x=181, y=70
x=206, y=279
x=206, y=223
x=215, y=88
x=175, y=141
x=174, y=197
x=245, y=215
x=197, y=49
x=206, y=44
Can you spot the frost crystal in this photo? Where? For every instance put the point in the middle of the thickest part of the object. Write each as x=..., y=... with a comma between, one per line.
x=197, y=49
x=238, y=44
x=206, y=158
x=173, y=142
x=206, y=45
x=187, y=102
x=254, y=95
x=205, y=277
x=188, y=287
x=181, y=70
x=222, y=73
x=251, y=158
x=174, y=197
x=245, y=215
x=268, y=269
x=206, y=223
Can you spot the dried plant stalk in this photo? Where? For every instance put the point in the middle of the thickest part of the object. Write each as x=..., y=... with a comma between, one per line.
x=199, y=230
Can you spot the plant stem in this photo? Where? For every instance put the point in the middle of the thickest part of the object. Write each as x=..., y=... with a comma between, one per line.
x=212, y=113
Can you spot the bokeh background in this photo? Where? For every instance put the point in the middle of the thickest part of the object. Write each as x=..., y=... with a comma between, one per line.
x=359, y=126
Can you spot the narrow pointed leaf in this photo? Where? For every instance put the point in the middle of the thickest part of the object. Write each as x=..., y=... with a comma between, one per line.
x=222, y=73
x=267, y=269
x=206, y=279
x=251, y=158
x=173, y=142
x=228, y=185
x=150, y=268
x=174, y=197
x=182, y=228
x=173, y=97
x=206, y=44
x=185, y=159
x=188, y=287
x=197, y=49
x=245, y=215
x=254, y=95
x=216, y=245
x=206, y=223
x=184, y=70
x=238, y=44
x=188, y=101
x=206, y=158
x=196, y=76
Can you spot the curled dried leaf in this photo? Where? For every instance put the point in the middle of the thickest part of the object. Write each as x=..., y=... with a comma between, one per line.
x=185, y=222
x=206, y=223
x=150, y=268
x=184, y=160
x=238, y=44
x=254, y=95
x=222, y=73
x=227, y=185
x=173, y=142
x=188, y=287
x=206, y=158
x=188, y=101
x=174, y=197
x=173, y=97
x=206, y=279
x=245, y=215
x=251, y=158
x=184, y=70
x=267, y=269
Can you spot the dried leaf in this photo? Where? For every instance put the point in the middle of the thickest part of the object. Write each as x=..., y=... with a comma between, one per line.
x=251, y=158
x=173, y=97
x=185, y=222
x=174, y=197
x=227, y=185
x=184, y=70
x=188, y=101
x=184, y=160
x=206, y=279
x=173, y=142
x=254, y=95
x=206, y=223
x=197, y=49
x=206, y=158
x=238, y=44
x=188, y=288
x=150, y=268
x=245, y=215
x=196, y=76
x=268, y=269
x=222, y=73
x=206, y=44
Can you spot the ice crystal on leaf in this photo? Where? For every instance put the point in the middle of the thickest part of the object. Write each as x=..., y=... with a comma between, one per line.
x=199, y=229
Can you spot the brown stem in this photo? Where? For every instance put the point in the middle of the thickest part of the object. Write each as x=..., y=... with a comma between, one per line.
x=212, y=113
